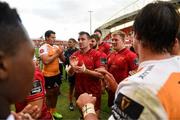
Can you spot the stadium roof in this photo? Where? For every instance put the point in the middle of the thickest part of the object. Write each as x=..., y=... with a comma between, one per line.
x=127, y=18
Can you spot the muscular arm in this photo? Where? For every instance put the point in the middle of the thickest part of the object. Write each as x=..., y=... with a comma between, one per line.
x=94, y=73
x=109, y=80
x=83, y=100
x=83, y=69
x=48, y=59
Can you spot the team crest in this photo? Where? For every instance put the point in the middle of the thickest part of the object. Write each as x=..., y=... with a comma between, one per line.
x=41, y=51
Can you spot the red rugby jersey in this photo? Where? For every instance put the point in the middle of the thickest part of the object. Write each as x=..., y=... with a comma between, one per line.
x=121, y=63
x=104, y=47
x=85, y=82
x=37, y=92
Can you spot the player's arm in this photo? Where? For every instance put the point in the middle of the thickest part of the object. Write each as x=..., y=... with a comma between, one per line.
x=94, y=73
x=37, y=93
x=62, y=58
x=91, y=116
x=46, y=59
x=83, y=69
x=46, y=55
x=98, y=63
x=61, y=55
x=86, y=104
x=109, y=79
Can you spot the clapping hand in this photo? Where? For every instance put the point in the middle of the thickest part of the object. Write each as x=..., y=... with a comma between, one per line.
x=28, y=113
x=73, y=61
x=74, y=64
x=85, y=98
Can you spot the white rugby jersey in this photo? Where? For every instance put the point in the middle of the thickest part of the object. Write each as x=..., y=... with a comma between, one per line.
x=152, y=93
x=52, y=68
x=45, y=48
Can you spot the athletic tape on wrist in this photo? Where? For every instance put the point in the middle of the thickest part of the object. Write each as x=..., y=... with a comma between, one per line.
x=88, y=108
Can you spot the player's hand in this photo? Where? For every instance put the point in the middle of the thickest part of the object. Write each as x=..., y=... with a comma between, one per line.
x=29, y=112
x=58, y=50
x=85, y=98
x=109, y=79
x=80, y=69
x=102, y=71
x=73, y=61
x=34, y=111
x=132, y=72
x=22, y=116
x=61, y=49
x=67, y=68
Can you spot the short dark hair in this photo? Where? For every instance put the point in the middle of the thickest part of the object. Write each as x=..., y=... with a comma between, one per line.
x=98, y=30
x=84, y=33
x=156, y=26
x=72, y=39
x=48, y=33
x=96, y=37
x=12, y=31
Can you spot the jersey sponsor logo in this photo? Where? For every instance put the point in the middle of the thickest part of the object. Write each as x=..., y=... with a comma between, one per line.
x=41, y=51
x=126, y=108
x=37, y=87
x=124, y=103
x=146, y=72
